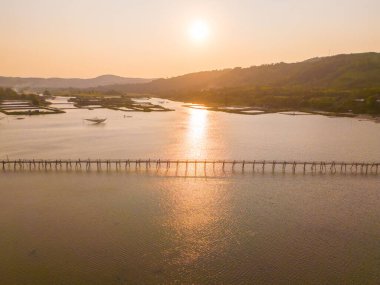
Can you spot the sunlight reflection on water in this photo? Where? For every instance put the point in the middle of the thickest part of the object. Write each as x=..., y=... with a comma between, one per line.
x=197, y=133
x=126, y=228
x=192, y=217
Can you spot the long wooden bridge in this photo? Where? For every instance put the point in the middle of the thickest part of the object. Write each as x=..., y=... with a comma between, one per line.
x=332, y=167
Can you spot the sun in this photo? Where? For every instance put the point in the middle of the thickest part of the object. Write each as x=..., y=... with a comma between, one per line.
x=199, y=31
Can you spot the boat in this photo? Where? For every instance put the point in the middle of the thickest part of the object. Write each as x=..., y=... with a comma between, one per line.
x=96, y=120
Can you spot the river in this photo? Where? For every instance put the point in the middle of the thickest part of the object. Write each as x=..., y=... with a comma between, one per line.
x=139, y=227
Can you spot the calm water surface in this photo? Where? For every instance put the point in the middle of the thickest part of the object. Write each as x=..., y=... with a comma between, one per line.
x=140, y=227
x=189, y=133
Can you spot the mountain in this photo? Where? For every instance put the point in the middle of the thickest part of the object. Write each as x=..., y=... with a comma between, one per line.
x=19, y=82
x=345, y=71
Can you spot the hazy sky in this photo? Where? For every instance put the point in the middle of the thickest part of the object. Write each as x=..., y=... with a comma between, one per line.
x=150, y=38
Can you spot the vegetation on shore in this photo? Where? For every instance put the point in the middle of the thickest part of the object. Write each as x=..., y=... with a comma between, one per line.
x=282, y=99
x=10, y=94
x=24, y=104
x=118, y=102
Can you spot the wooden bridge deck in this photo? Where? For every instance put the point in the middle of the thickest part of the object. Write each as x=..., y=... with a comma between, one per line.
x=243, y=165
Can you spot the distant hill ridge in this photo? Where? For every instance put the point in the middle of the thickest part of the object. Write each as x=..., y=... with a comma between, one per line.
x=19, y=82
x=345, y=71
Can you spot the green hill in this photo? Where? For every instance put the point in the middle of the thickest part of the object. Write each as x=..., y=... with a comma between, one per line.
x=351, y=71
x=341, y=83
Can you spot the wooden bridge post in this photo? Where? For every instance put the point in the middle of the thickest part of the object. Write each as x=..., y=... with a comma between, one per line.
x=332, y=168
x=273, y=166
x=372, y=167
x=283, y=166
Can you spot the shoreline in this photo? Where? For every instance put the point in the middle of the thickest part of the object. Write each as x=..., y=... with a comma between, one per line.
x=254, y=111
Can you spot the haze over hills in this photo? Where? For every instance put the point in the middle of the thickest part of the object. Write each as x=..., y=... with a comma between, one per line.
x=19, y=82
x=340, y=72
x=346, y=71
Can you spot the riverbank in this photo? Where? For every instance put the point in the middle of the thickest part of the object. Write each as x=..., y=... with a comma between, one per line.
x=247, y=110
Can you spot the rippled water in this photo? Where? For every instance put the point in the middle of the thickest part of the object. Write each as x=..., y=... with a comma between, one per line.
x=138, y=227
x=116, y=228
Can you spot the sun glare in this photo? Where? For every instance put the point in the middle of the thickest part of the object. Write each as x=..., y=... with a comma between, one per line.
x=199, y=31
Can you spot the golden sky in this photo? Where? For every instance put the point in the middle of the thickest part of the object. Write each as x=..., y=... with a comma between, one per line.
x=155, y=38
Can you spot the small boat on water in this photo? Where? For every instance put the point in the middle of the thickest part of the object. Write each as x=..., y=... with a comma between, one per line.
x=96, y=120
